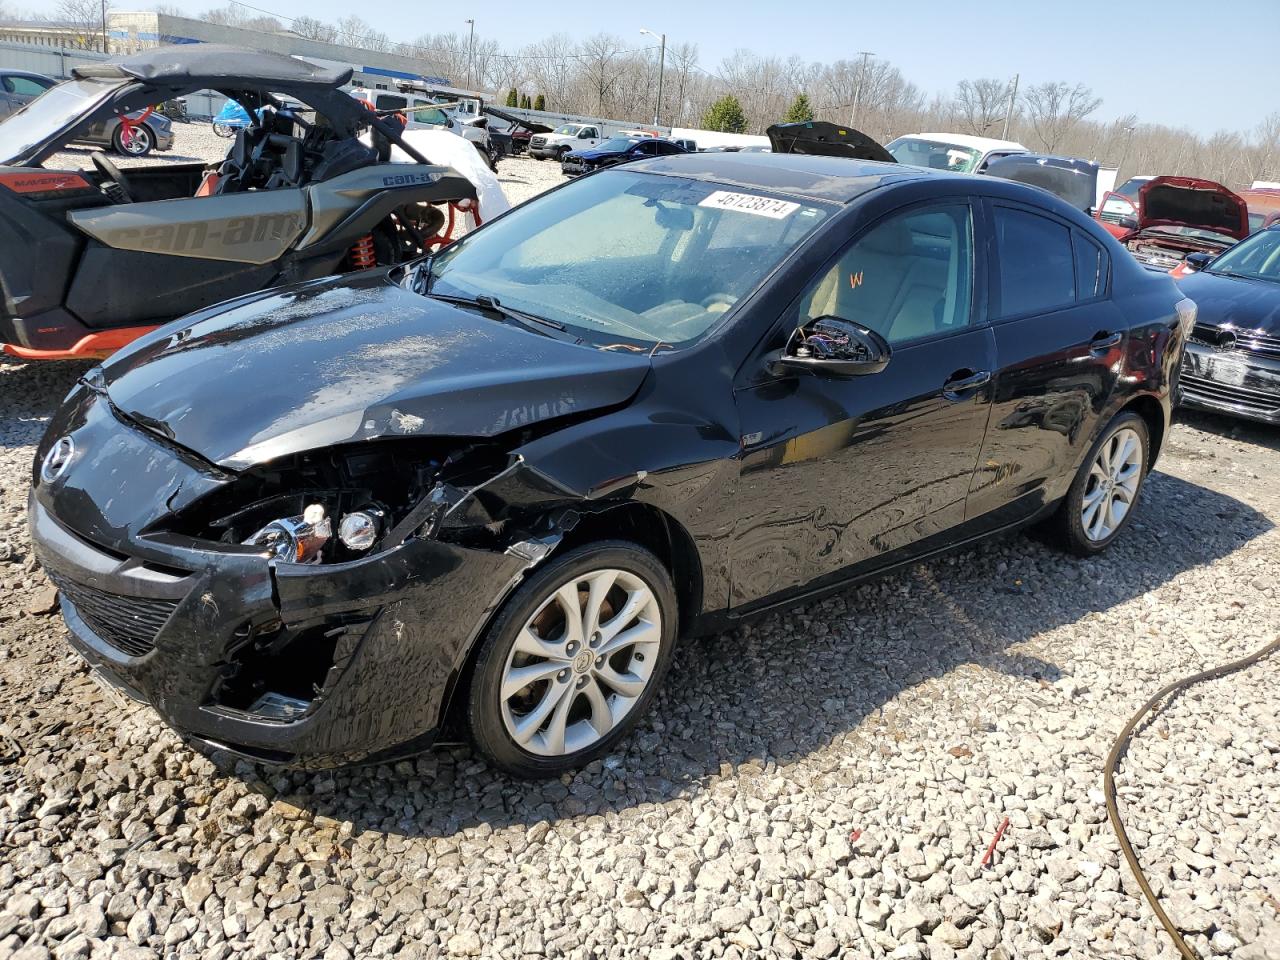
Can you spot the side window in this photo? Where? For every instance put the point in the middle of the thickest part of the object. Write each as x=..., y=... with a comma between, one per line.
x=389, y=102
x=1091, y=267
x=909, y=276
x=24, y=86
x=1037, y=268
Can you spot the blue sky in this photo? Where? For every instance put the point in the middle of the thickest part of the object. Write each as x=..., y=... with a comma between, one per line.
x=1165, y=60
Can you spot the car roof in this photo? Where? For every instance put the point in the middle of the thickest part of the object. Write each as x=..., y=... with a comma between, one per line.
x=1260, y=199
x=966, y=140
x=215, y=64
x=26, y=73
x=832, y=179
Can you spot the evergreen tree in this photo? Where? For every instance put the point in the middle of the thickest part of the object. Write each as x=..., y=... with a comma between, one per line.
x=513, y=98
x=539, y=102
x=526, y=103
x=725, y=116
x=801, y=110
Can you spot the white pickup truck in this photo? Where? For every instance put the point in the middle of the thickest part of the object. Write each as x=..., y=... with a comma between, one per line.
x=570, y=136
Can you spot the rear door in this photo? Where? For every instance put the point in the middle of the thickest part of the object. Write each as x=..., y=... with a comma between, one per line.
x=1059, y=342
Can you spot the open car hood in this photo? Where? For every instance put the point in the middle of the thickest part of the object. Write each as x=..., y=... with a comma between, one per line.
x=352, y=359
x=1075, y=181
x=1192, y=202
x=819, y=138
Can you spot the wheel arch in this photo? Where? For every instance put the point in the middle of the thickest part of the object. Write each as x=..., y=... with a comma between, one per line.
x=1153, y=414
x=642, y=524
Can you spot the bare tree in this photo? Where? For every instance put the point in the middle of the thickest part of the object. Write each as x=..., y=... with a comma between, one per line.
x=314, y=29
x=981, y=103
x=1055, y=108
x=84, y=18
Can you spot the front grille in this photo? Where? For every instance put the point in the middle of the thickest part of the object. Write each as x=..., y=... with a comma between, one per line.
x=537, y=141
x=1246, y=398
x=129, y=624
x=1108, y=217
x=1258, y=344
x=1244, y=341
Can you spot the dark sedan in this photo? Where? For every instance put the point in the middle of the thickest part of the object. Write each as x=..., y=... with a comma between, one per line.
x=615, y=151
x=1232, y=363
x=150, y=130
x=489, y=491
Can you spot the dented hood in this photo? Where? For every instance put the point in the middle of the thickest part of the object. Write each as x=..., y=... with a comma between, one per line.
x=1192, y=202
x=351, y=359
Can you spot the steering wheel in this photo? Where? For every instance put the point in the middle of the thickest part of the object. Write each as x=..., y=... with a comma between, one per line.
x=112, y=173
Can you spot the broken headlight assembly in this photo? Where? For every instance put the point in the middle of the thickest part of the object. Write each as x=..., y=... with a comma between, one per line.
x=337, y=505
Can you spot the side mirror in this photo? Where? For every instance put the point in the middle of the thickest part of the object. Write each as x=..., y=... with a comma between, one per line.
x=1197, y=261
x=833, y=346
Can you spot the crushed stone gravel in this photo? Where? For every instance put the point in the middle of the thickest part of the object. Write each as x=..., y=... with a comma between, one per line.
x=822, y=782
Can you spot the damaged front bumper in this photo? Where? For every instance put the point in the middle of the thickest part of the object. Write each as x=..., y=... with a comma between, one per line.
x=306, y=665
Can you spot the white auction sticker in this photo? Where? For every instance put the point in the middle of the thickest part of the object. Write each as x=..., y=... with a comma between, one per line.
x=750, y=203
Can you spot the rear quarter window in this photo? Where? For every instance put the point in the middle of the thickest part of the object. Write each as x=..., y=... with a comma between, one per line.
x=1036, y=263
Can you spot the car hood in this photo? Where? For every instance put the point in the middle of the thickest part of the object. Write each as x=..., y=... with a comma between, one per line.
x=350, y=359
x=824, y=139
x=595, y=154
x=1234, y=302
x=1191, y=202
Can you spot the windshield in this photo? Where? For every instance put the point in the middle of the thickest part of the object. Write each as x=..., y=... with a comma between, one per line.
x=618, y=144
x=49, y=113
x=1256, y=220
x=1256, y=257
x=934, y=154
x=627, y=259
x=569, y=129
x=1131, y=187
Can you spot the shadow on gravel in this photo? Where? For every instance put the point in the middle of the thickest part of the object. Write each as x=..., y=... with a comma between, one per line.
x=790, y=684
x=29, y=394
x=1246, y=431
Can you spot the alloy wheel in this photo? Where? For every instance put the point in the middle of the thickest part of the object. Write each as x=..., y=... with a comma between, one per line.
x=1112, y=486
x=136, y=144
x=581, y=662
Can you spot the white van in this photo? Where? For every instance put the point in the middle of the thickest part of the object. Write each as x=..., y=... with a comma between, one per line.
x=957, y=152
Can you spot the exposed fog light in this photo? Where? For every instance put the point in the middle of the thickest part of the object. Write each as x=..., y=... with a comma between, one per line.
x=359, y=530
x=296, y=539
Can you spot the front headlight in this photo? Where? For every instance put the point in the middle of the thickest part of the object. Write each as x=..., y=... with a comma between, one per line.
x=296, y=539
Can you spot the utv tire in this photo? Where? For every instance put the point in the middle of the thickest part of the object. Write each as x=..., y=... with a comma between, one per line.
x=141, y=144
x=573, y=660
x=1102, y=498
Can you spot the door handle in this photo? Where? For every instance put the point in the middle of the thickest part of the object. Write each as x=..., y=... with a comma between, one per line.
x=963, y=381
x=1103, y=341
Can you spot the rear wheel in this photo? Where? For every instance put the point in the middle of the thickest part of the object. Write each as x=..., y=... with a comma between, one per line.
x=573, y=660
x=1105, y=491
x=137, y=144
x=224, y=130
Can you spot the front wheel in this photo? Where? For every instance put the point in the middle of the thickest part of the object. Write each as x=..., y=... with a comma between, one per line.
x=224, y=130
x=573, y=660
x=1102, y=497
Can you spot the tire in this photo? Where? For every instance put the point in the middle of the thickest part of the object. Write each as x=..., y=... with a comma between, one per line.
x=569, y=711
x=537, y=156
x=142, y=143
x=223, y=130
x=1111, y=476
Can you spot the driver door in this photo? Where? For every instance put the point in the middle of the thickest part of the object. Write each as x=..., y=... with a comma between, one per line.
x=842, y=474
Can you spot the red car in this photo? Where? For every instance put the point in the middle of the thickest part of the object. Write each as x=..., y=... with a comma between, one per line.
x=1175, y=216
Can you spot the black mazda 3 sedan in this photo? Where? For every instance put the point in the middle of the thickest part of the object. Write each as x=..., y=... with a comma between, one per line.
x=489, y=491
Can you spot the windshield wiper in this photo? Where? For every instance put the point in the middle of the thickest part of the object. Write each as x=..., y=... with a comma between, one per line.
x=494, y=305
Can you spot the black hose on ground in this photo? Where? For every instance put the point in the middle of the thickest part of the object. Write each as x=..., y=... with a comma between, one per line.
x=1109, y=782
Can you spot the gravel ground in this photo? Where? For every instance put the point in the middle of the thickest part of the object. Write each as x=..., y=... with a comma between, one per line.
x=821, y=783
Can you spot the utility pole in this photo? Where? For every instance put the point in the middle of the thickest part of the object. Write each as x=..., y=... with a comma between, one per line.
x=1008, y=110
x=857, y=90
x=662, y=63
x=1124, y=152
x=471, y=51
x=105, y=48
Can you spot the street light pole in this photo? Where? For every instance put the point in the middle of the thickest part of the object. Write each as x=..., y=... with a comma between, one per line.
x=471, y=51
x=857, y=91
x=662, y=64
x=104, y=27
x=1008, y=111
